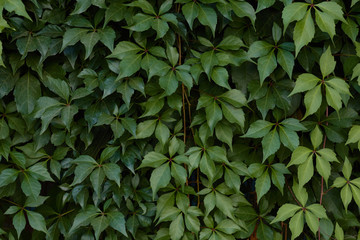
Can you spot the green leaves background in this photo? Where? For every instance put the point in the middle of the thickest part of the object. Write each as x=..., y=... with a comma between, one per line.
x=164, y=119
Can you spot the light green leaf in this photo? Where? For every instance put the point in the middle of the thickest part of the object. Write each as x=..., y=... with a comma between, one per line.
x=145, y=6
x=153, y=159
x=293, y=12
x=339, y=233
x=325, y=23
x=178, y=173
x=296, y=224
x=333, y=9
x=316, y=137
x=270, y=144
x=312, y=100
x=286, y=61
x=327, y=63
x=304, y=32
x=224, y=133
x=354, y=134
x=306, y=171
x=312, y=221
x=160, y=178
x=235, y=97
x=124, y=49
x=169, y=82
x=318, y=210
x=176, y=229
x=339, y=85
x=285, y=211
x=346, y=196
x=225, y=205
x=228, y=226
x=160, y=26
x=347, y=169
x=323, y=167
x=207, y=166
x=289, y=138
x=333, y=98
x=305, y=82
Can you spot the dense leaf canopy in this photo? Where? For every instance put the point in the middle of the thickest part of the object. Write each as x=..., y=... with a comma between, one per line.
x=179, y=119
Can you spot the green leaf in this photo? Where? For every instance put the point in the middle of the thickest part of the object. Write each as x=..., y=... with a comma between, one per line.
x=161, y=27
x=145, y=6
x=82, y=171
x=4, y=129
x=72, y=36
x=37, y=221
x=208, y=61
x=213, y=115
x=97, y=178
x=17, y=6
x=115, y=12
x=228, y=226
x=333, y=98
x=27, y=91
x=232, y=180
x=270, y=143
x=169, y=83
x=129, y=65
x=176, y=229
x=296, y=224
x=117, y=221
x=328, y=154
x=285, y=211
x=262, y=185
x=224, y=133
x=207, y=16
x=327, y=63
x=312, y=100
x=220, y=76
x=286, y=61
x=259, y=49
x=145, y=129
x=258, y=129
x=8, y=176
x=293, y=12
x=19, y=222
x=233, y=115
x=234, y=97
x=153, y=159
x=160, y=178
x=266, y=65
x=225, y=205
x=207, y=166
x=99, y=224
x=89, y=40
x=124, y=49
x=178, y=173
x=339, y=85
x=30, y=186
x=325, y=23
x=243, y=9
x=190, y=11
x=304, y=32
x=350, y=29
x=162, y=133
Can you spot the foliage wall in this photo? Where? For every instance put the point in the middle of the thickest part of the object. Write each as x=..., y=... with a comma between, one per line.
x=187, y=119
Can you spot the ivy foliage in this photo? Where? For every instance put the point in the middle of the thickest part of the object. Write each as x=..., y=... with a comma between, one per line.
x=179, y=119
